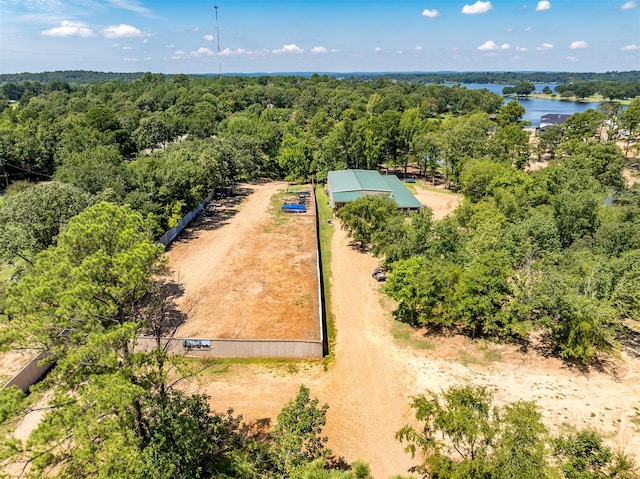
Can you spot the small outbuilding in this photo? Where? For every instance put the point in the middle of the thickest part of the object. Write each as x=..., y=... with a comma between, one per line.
x=348, y=185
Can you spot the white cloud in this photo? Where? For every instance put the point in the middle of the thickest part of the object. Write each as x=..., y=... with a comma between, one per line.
x=227, y=52
x=377, y=49
x=418, y=48
x=629, y=5
x=146, y=59
x=291, y=48
x=170, y=46
x=200, y=52
x=522, y=49
x=573, y=59
x=478, y=7
x=208, y=38
x=70, y=29
x=123, y=31
x=543, y=5
x=545, y=46
x=127, y=48
x=430, y=13
x=630, y=47
x=578, y=44
x=527, y=29
x=319, y=50
x=491, y=45
x=509, y=30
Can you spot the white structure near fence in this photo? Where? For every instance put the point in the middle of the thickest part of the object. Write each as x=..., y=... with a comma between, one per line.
x=235, y=348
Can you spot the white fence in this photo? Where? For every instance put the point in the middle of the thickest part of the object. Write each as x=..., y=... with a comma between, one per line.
x=235, y=348
x=171, y=234
x=31, y=373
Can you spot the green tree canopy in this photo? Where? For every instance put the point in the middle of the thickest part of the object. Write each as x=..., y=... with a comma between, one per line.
x=364, y=216
x=462, y=434
x=31, y=220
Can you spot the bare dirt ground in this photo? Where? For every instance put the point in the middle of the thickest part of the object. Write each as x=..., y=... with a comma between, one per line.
x=248, y=275
x=632, y=176
x=371, y=379
x=11, y=362
x=441, y=203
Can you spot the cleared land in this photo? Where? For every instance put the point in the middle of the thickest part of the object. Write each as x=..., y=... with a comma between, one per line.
x=249, y=269
x=380, y=364
x=441, y=201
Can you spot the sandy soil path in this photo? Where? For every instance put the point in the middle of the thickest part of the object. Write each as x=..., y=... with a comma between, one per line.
x=366, y=384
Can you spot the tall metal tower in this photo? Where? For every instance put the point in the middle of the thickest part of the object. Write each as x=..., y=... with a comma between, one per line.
x=218, y=37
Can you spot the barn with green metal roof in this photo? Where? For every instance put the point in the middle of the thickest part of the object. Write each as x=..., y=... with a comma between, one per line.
x=348, y=185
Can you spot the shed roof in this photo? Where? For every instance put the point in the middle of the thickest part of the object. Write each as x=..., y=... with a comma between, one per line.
x=348, y=185
x=357, y=180
x=400, y=193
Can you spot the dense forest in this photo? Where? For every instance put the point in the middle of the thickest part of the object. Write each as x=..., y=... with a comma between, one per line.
x=93, y=173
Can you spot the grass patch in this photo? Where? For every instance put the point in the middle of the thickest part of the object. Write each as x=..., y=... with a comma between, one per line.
x=276, y=202
x=483, y=355
x=211, y=367
x=325, y=215
x=426, y=187
x=635, y=419
x=405, y=337
x=304, y=299
x=279, y=216
x=589, y=99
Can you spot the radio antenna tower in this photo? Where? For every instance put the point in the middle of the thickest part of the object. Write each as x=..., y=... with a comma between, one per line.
x=218, y=37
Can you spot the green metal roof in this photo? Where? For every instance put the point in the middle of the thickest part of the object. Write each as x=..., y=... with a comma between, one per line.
x=346, y=196
x=400, y=193
x=348, y=185
x=357, y=180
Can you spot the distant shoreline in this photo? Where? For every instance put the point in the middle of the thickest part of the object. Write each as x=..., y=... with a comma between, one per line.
x=589, y=99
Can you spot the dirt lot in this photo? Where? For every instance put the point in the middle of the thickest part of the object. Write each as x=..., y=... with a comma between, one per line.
x=370, y=381
x=441, y=202
x=250, y=275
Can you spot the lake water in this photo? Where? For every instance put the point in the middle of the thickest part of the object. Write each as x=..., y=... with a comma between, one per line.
x=536, y=107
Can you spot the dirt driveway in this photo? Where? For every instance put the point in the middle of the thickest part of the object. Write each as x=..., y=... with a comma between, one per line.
x=370, y=381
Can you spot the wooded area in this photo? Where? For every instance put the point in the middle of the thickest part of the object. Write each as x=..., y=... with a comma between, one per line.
x=94, y=173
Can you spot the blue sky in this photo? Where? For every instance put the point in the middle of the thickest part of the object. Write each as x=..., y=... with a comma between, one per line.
x=180, y=36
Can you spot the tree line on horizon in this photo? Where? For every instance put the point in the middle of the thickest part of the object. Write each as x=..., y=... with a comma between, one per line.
x=83, y=77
